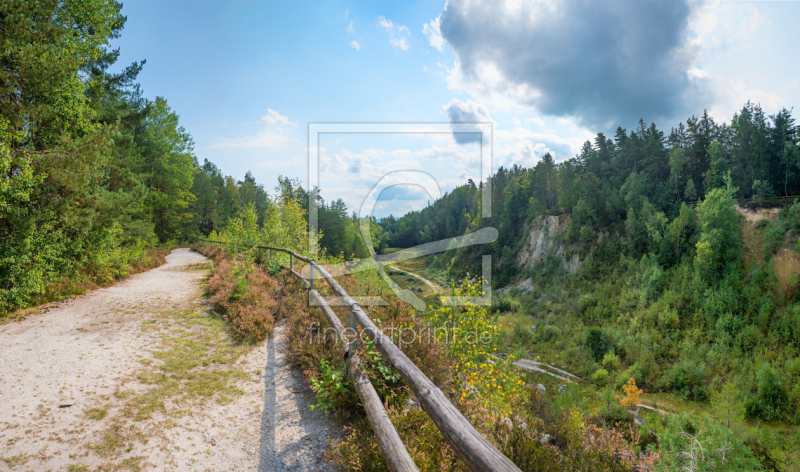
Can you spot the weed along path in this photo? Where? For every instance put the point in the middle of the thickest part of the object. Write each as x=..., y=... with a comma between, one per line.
x=141, y=376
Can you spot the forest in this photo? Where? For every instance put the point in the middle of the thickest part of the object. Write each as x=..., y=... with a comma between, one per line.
x=675, y=290
x=94, y=175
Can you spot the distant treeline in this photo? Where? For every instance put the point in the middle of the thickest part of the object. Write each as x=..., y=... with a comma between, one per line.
x=620, y=184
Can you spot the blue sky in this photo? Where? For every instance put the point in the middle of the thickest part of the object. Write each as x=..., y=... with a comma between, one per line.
x=246, y=77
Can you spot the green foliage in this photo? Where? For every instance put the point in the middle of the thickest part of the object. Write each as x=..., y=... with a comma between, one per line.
x=520, y=334
x=720, y=243
x=688, y=443
x=550, y=333
x=601, y=378
x=331, y=386
x=596, y=343
x=611, y=361
x=770, y=398
x=727, y=406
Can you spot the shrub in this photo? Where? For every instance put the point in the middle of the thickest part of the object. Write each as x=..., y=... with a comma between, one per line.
x=688, y=440
x=551, y=333
x=246, y=297
x=636, y=371
x=520, y=335
x=611, y=361
x=596, y=342
x=688, y=379
x=502, y=304
x=770, y=399
x=600, y=378
x=632, y=393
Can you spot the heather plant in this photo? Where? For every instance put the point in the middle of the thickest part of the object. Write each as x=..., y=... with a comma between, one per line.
x=246, y=298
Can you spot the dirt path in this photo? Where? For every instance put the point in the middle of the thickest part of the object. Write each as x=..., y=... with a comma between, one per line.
x=152, y=382
x=434, y=286
x=301, y=434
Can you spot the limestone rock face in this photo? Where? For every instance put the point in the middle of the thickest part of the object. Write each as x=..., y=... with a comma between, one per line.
x=546, y=235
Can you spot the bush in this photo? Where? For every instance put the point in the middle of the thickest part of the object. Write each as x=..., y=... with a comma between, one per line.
x=502, y=304
x=596, y=342
x=246, y=298
x=520, y=335
x=774, y=235
x=600, y=378
x=686, y=439
x=551, y=333
x=611, y=361
x=769, y=402
x=636, y=372
x=688, y=379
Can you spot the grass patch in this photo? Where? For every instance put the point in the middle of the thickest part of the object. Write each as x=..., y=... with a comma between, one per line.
x=197, y=365
x=96, y=413
x=202, y=265
x=114, y=440
x=13, y=461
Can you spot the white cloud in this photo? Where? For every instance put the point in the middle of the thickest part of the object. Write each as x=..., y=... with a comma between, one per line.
x=401, y=43
x=563, y=121
x=276, y=132
x=525, y=147
x=458, y=111
x=350, y=28
x=355, y=45
x=730, y=94
x=536, y=120
x=433, y=33
x=386, y=24
x=599, y=62
x=395, y=32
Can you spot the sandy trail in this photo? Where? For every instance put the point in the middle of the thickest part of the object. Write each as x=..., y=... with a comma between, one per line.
x=300, y=434
x=434, y=286
x=90, y=352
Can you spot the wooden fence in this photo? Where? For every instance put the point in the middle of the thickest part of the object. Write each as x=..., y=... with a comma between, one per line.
x=471, y=447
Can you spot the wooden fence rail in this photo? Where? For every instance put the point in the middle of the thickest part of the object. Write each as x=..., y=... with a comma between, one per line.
x=474, y=450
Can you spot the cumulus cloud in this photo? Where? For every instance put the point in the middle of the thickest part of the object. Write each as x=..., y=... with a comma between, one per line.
x=395, y=32
x=434, y=34
x=602, y=62
x=400, y=43
x=386, y=24
x=728, y=95
x=458, y=111
x=276, y=131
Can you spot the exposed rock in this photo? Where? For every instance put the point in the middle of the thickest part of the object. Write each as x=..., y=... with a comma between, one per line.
x=541, y=388
x=545, y=439
x=546, y=236
x=524, y=284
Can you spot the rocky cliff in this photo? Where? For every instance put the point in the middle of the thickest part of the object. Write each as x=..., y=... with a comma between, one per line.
x=546, y=236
